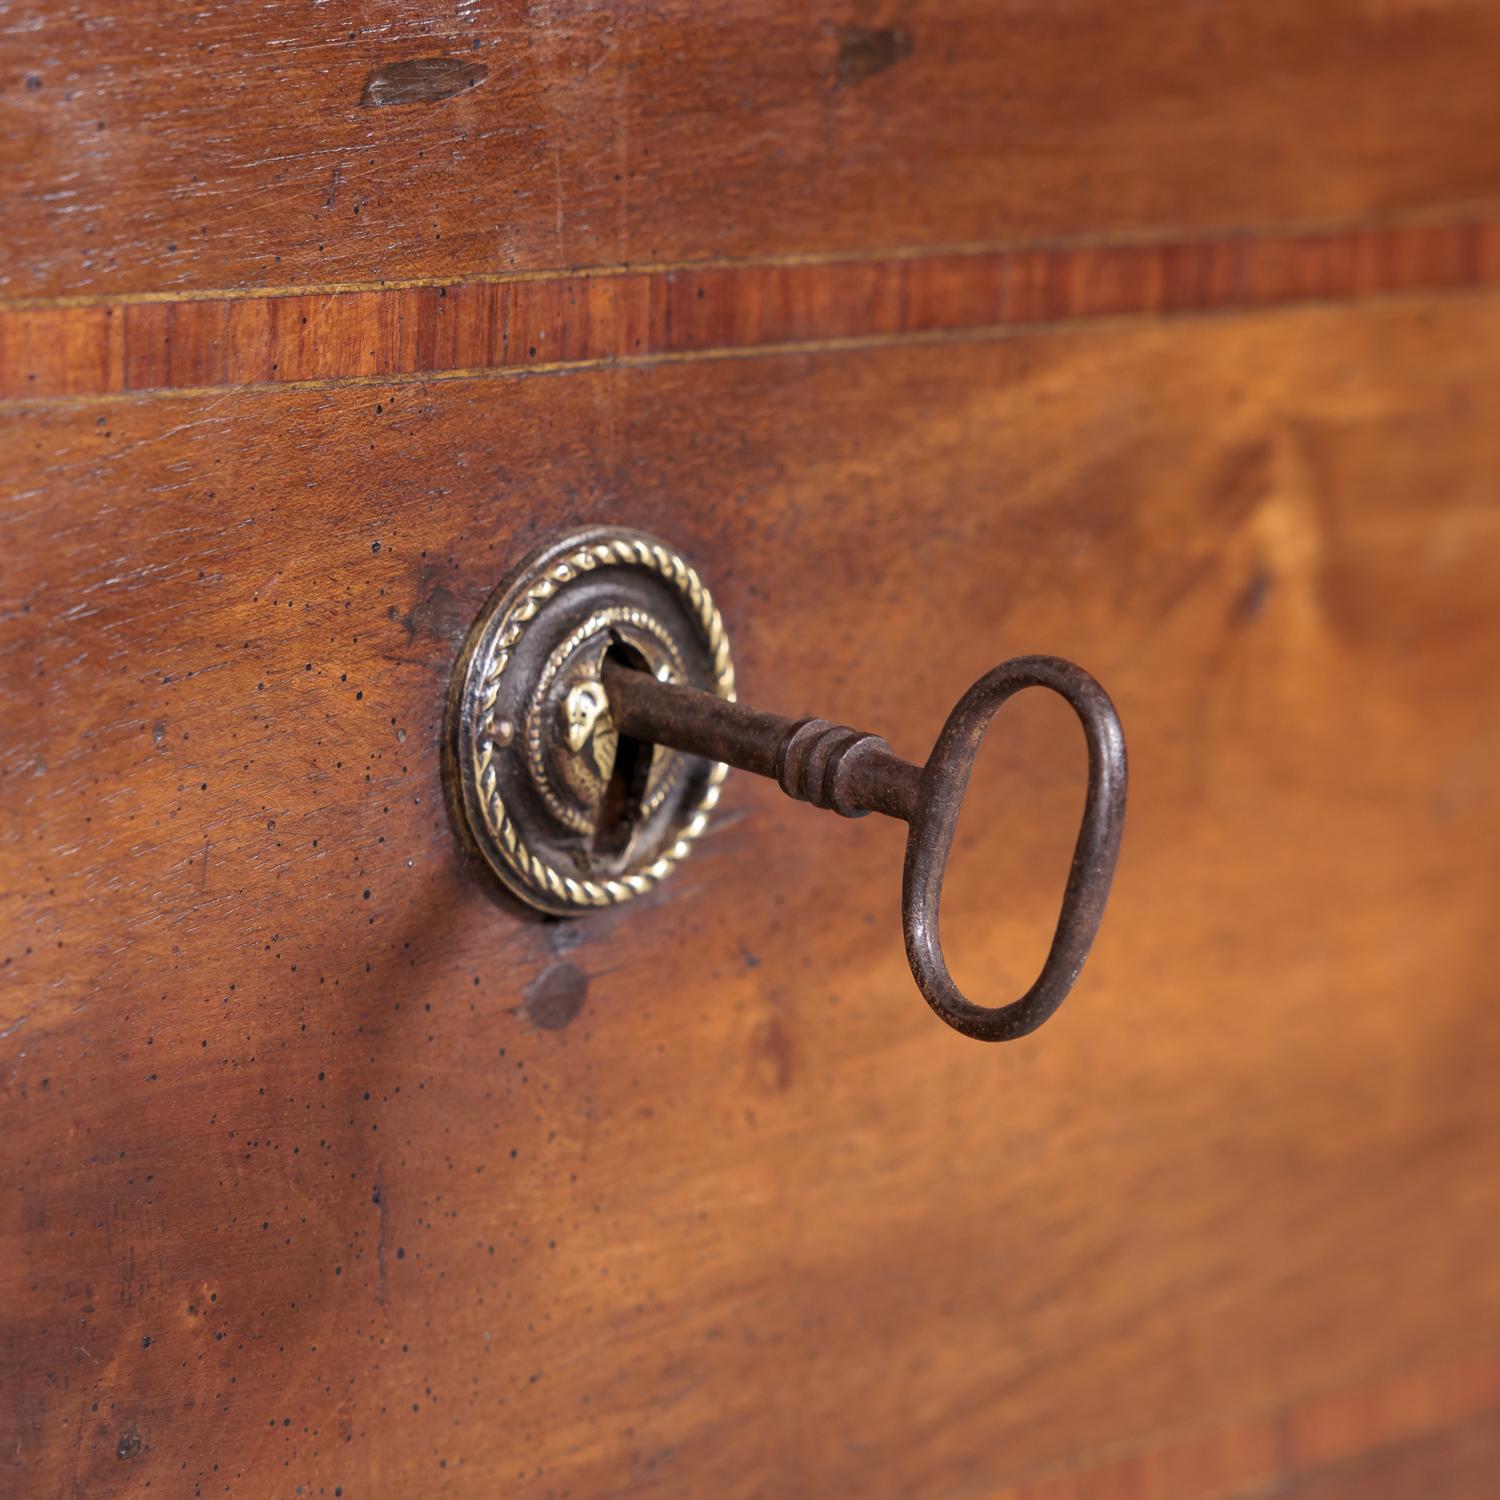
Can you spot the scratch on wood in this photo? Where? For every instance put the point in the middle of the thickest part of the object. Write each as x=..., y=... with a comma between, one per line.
x=422, y=80
x=379, y=1201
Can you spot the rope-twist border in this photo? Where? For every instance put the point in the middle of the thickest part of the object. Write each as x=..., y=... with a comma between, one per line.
x=621, y=551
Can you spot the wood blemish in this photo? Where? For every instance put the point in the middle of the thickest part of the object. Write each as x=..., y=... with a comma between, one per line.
x=378, y=1199
x=771, y=1056
x=1249, y=604
x=422, y=80
x=556, y=996
x=865, y=51
x=438, y=617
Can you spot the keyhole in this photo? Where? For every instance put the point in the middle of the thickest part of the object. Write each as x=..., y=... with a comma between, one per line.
x=620, y=806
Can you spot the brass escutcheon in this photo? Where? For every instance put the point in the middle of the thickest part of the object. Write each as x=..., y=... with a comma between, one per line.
x=567, y=817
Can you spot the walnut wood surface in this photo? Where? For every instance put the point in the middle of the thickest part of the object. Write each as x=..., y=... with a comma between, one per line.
x=306, y=1186
x=146, y=146
x=326, y=1171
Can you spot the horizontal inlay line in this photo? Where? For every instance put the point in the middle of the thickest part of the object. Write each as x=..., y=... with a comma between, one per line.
x=582, y=320
x=1286, y=229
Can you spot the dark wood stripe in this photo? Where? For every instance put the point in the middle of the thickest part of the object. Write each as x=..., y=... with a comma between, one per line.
x=92, y=350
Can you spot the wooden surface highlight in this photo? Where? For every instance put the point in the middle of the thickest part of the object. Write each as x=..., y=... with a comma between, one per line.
x=595, y=316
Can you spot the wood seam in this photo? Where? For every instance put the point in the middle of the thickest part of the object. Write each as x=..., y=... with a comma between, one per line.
x=1289, y=229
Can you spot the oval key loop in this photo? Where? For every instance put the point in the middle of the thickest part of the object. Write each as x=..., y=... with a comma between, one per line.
x=852, y=773
x=935, y=817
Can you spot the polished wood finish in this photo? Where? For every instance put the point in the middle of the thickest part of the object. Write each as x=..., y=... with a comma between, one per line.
x=149, y=147
x=504, y=325
x=306, y=1186
x=1159, y=336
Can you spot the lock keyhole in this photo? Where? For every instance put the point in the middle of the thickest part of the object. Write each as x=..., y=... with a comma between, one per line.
x=620, y=804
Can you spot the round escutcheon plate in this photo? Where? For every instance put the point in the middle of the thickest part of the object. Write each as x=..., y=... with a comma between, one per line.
x=567, y=814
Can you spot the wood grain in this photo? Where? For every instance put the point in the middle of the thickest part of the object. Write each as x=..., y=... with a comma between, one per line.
x=297, y=1193
x=1462, y=1460
x=89, y=347
x=146, y=147
x=1355, y=1442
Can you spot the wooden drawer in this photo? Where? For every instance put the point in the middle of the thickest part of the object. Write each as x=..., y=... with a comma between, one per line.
x=931, y=338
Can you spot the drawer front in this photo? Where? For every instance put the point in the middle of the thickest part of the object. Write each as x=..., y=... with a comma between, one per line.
x=331, y=1169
